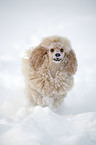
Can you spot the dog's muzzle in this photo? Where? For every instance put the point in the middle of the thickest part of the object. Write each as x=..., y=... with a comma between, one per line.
x=58, y=57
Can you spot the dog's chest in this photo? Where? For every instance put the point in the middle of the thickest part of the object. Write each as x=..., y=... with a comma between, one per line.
x=45, y=84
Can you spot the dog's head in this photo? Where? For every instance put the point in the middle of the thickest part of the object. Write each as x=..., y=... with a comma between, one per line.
x=57, y=49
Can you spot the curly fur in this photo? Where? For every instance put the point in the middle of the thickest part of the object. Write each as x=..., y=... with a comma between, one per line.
x=47, y=83
x=36, y=58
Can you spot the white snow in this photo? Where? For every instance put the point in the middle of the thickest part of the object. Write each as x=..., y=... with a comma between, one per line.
x=22, y=25
x=44, y=127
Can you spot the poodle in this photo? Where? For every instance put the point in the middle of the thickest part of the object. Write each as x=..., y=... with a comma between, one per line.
x=48, y=70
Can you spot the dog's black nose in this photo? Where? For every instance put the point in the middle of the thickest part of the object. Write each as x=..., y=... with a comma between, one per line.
x=57, y=54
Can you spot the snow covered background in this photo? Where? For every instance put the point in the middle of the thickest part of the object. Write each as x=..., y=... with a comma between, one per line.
x=23, y=23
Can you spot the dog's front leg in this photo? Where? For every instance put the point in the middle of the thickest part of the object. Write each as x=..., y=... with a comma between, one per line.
x=35, y=97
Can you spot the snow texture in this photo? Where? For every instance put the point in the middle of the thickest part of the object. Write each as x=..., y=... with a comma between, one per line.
x=23, y=24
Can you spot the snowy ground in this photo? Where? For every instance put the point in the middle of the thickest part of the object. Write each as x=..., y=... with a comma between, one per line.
x=23, y=24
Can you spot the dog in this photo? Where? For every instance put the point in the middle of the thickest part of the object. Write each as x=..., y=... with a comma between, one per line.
x=48, y=70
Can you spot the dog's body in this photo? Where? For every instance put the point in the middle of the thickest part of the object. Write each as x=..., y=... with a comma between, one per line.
x=48, y=70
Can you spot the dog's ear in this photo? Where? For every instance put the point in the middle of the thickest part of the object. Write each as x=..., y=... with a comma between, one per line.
x=70, y=62
x=37, y=57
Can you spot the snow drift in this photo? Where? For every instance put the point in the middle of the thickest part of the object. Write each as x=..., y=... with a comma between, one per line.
x=44, y=127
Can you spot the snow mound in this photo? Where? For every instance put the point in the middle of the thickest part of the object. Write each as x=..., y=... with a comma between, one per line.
x=44, y=127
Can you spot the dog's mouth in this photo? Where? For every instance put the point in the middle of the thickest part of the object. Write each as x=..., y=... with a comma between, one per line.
x=57, y=59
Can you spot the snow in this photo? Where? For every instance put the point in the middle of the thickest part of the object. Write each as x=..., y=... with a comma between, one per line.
x=46, y=127
x=22, y=25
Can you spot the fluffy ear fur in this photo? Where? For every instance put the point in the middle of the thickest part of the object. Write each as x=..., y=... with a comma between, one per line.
x=70, y=62
x=37, y=57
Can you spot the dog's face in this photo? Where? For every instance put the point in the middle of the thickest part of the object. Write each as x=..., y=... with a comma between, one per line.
x=56, y=54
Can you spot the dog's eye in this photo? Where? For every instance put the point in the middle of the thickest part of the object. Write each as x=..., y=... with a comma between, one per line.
x=61, y=49
x=52, y=50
